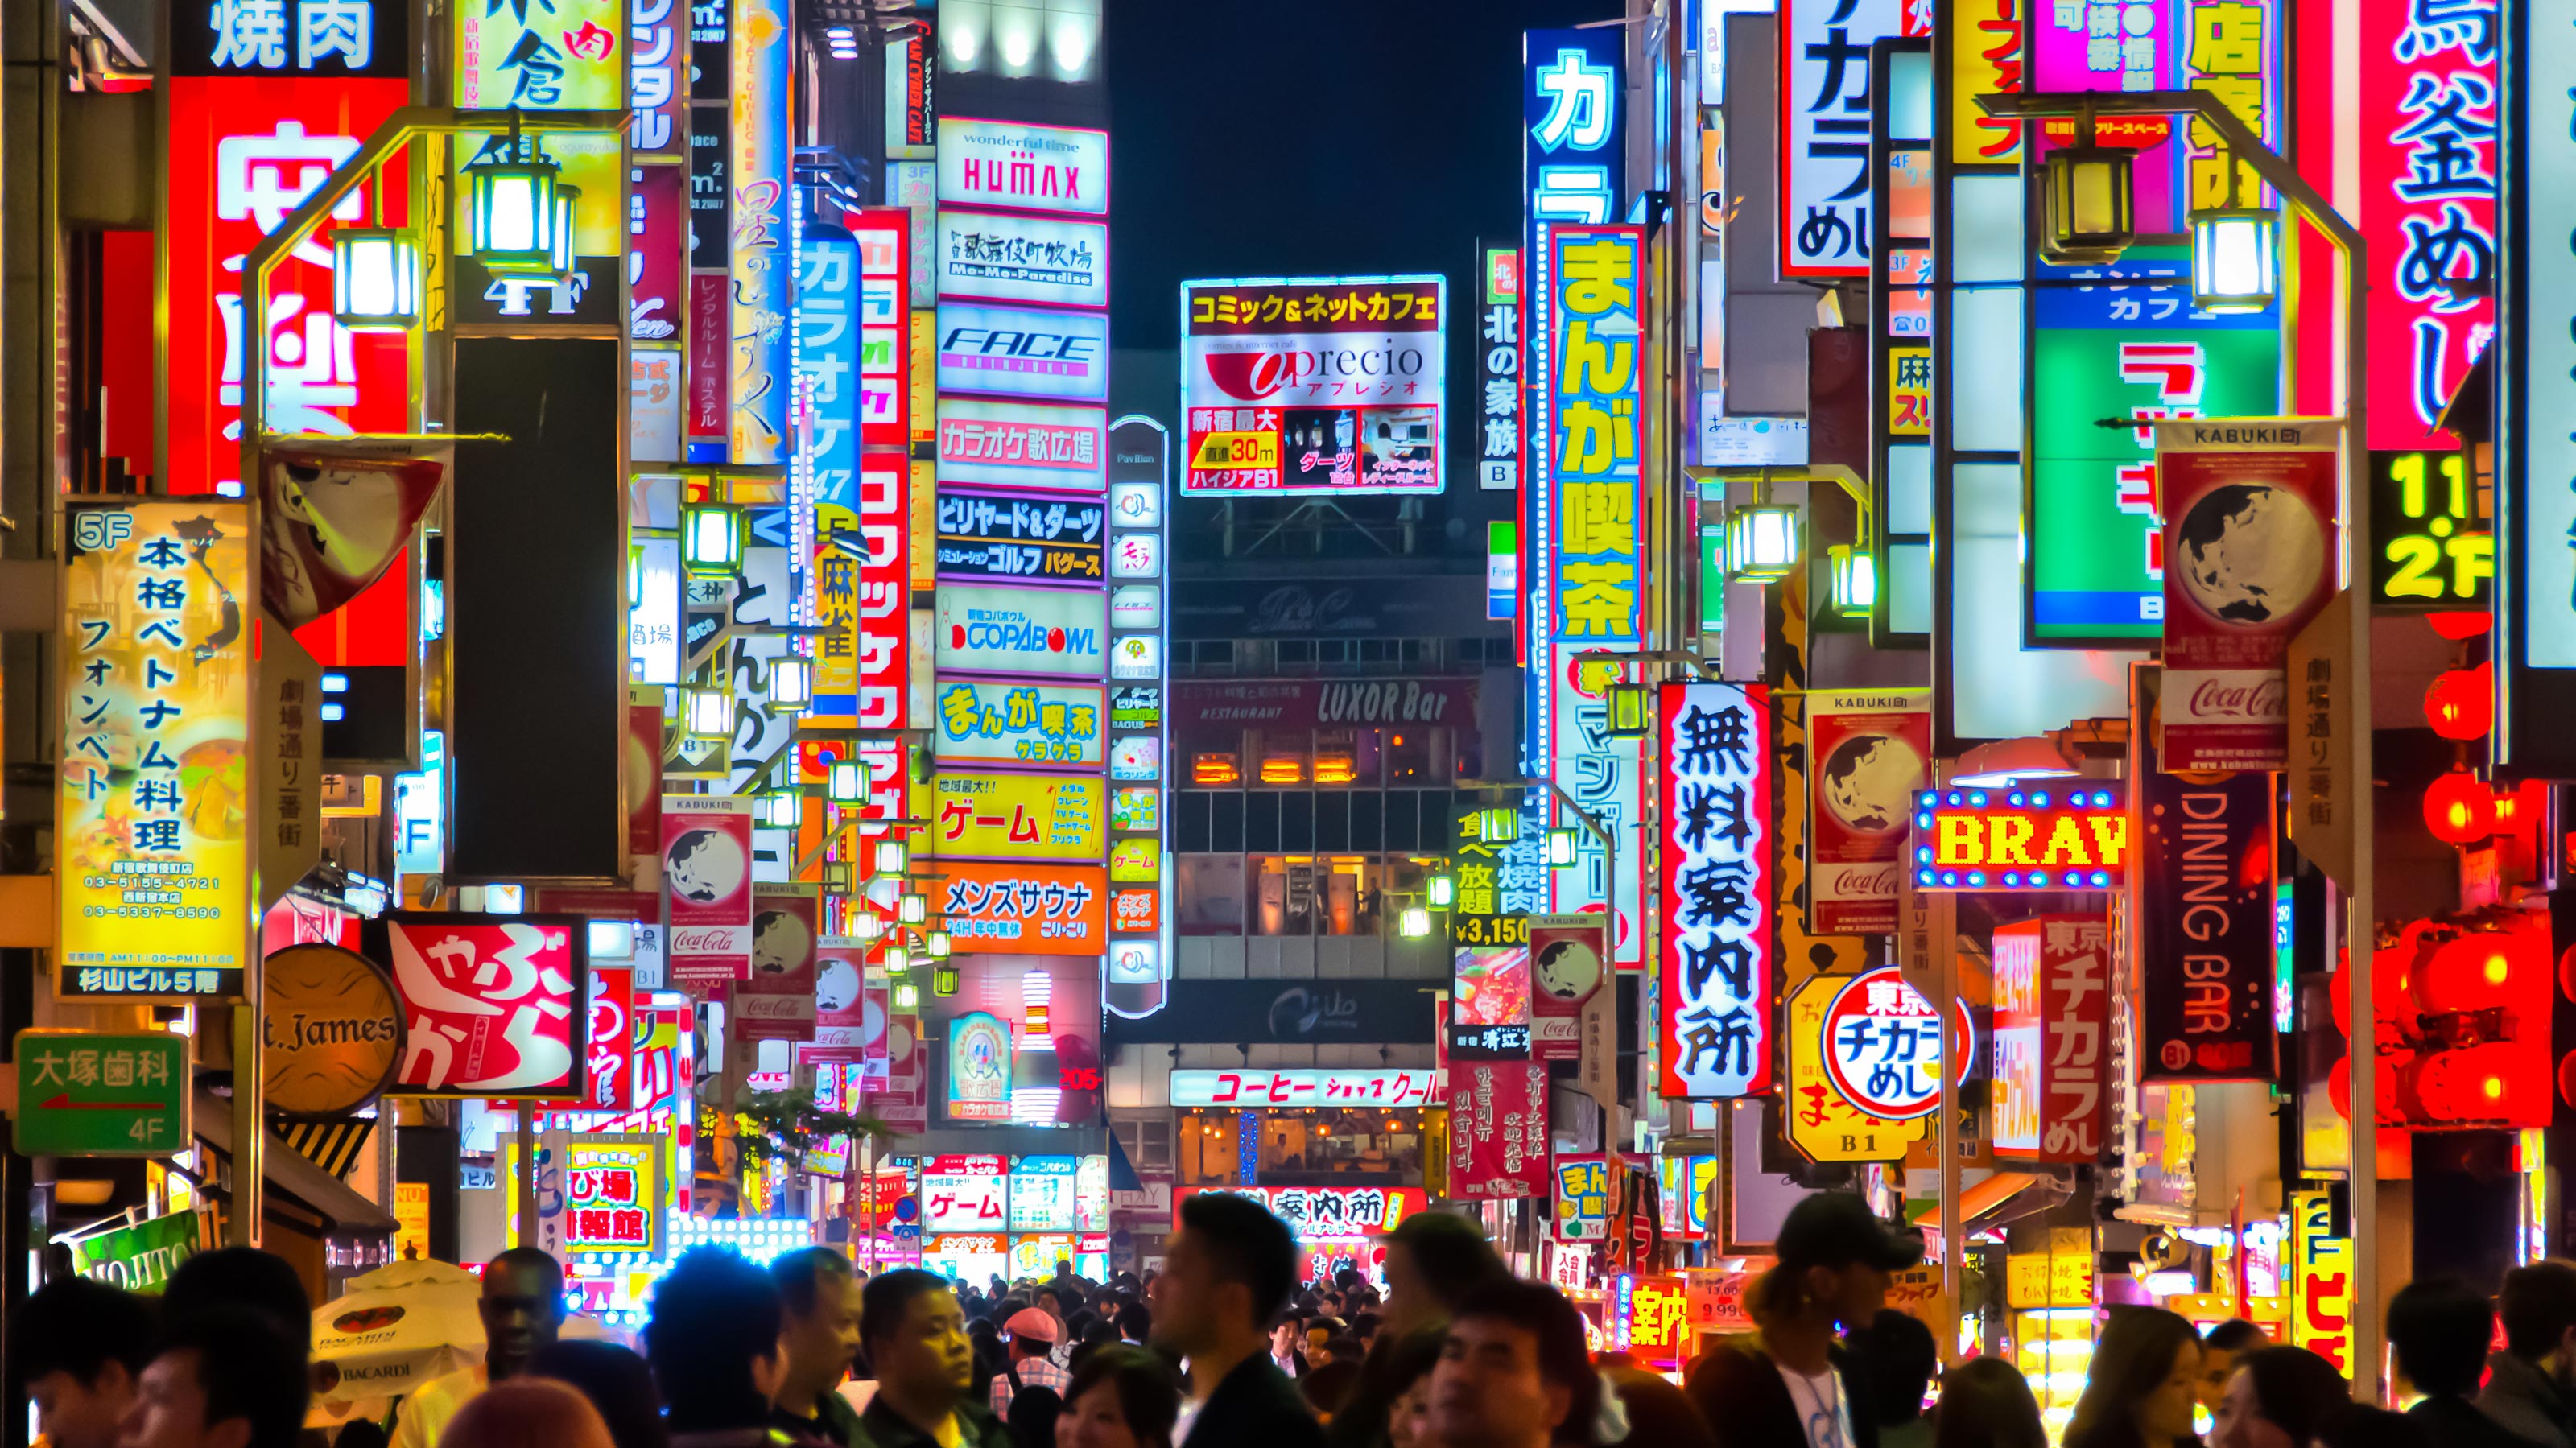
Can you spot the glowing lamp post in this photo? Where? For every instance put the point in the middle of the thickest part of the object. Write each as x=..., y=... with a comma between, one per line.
x=375, y=279
x=2091, y=201
x=513, y=210
x=2235, y=259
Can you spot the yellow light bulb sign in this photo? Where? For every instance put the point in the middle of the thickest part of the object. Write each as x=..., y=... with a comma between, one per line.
x=2433, y=526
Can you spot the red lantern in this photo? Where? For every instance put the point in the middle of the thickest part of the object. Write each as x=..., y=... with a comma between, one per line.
x=2461, y=624
x=2489, y=1083
x=2460, y=704
x=2459, y=808
x=2468, y=973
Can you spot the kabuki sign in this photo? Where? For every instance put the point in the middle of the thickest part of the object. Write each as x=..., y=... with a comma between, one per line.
x=2075, y=837
x=1825, y=85
x=1715, y=1029
x=2052, y=1027
x=492, y=1004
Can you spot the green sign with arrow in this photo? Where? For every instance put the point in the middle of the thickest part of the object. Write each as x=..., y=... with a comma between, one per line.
x=83, y=1093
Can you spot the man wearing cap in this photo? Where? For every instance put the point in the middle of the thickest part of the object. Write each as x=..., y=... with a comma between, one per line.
x=1791, y=1385
x=1033, y=1334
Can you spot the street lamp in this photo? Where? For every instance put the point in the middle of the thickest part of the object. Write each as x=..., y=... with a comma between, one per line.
x=912, y=908
x=776, y=810
x=2235, y=258
x=1855, y=580
x=791, y=685
x=1628, y=711
x=375, y=278
x=1498, y=826
x=943, y=978
x=865, y=924
x=891, y=861
x=512, y=215
x=706, y=713
x=847, y=782
x=2090, y=196
x=1560, y=849
x=936, y=944
x=1414, y=923
x=1761, y=538
x=1441, y=891
x=897, y=959
x=711, y=539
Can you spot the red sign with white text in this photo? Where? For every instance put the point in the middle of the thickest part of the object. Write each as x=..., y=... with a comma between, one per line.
x=492, y=1004
x=657, y=251
x=885, y=591
x=2052, y=1020
x=1498, y=1130
x=612, y=1038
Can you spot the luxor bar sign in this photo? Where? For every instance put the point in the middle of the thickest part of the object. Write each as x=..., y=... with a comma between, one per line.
x=2073, y=838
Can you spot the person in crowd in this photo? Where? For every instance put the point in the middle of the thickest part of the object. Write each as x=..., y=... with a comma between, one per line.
x=1433, y=1261
x=528, y=1412
x=1033, y=1416
x=1658, y=1414
x=2439, y=1328
x=1077, y=1326
x=1986, y=1403
x=2356, y=1425
x=2531, y=1385
x=1321, y=1329
x=1288, y=1343
x=1408, y=1412
x=2279, y=1397
x=1897, y=1359
x=2220, y=1347
x=1513, y=1371
x=717, y=1342
x=1327, y=1388
x=76, y=1349
x=618, y=1382
x=1098, y=1338
x=522, y=1307
x=1226, y=1273
x=1135, y=1325
x=1344, y=1349
x=822, y=1302
x=220, y=1377
x=1032, y=1363
x=231, y=1278
x=1787, y=1386
x=1123, y=1397
x=2144, y=1382
x=915, y=1336
x=1364, y=1326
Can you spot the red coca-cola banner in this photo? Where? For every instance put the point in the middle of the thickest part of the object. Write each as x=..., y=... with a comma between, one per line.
x=776, y=1002
x=706, y=877
x=1498, y=1129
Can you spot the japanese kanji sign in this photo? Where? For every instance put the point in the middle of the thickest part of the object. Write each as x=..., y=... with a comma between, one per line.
x=84, y=1094
x=2052, y=1017
x=1041, y=1190
x=1018, y=816
x=999, y=256
x=153, y=867
x=1714, y=1031
x=612, y=1195
x=1498, y=375
x=965, y=1194
x=569, y=55
x=1825, y=87
x=1597, y=341
x=1882, y=1046
x=1582, y=1198
x=1023, y=444
x=492, y=1004
x=2426, y=108
x=616, y=1029
x=1024, y=909
x=1019, y=538
x=1498, y=1144
x=1327, y=1214
x=285, y=38
x=863, y=592
x=1652, y=1319
x=1316, y=385
x=1005, y=721
x=985, y=628
x=1823, y=1123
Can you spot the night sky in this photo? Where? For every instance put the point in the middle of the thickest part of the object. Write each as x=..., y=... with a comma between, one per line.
x=1317, y=138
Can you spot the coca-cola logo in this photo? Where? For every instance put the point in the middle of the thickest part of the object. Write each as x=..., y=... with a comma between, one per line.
x=1864, y=882
x=710, y=940
x=2267, y=698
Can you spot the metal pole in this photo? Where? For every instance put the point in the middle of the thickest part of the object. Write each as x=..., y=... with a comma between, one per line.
x=527, y=1175
x=2360, y=918
x=1954, y=1249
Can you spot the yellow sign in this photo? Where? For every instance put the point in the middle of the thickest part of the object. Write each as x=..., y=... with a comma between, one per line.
x=153, y=861
x=1822, y=1124
x=550, y=55
x=2062, y=1276
x=411, y=1221
x=1987, y=44
x=1237, y=450
x=1909, y=391
x=1135, y=862
x=1018, y=816
x=2320, y=1281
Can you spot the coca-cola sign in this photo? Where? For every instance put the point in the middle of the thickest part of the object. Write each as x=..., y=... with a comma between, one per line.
x=2249, y=697
x=1326, y=703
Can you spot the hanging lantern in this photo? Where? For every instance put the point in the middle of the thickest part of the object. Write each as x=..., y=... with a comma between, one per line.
x=2459, y=808
x=1560, y=849
x=897, y=958
x=1441, y=891
x=2089, y=194
x=1414, y=923
x=1855, y=577
x=375, y=278
x=2460, y=704
x=2468, y=972
x=864, y=924
x=907, y=996
x=943, y=978
x=936, y=944
x=511, y=211
x=706, y=713
x=1761, y=542
x=791, y=685
x=1630, y=711
x=711, y=539
x=776, y=811
x=2235, y=258
x=847, y=781
x=559, y=254
x=1498, y=826
x=912, y=909
x=890, y=859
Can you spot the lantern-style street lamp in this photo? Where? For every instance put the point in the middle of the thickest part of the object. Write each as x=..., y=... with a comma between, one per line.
x=512, y=213
x=2090, y=195
x=375, y=279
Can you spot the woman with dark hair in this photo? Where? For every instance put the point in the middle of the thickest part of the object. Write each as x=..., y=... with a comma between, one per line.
x=1433, y=1261
x=1985, y=1403
x=2146, y=1370
x=1659, y=1414
x=618, y=1382
x=1122, y=1397
x=2281, y=1397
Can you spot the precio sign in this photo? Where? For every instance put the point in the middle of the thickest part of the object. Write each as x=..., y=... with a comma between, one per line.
x=1024, y=352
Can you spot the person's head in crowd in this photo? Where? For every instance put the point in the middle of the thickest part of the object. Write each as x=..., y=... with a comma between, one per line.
x=2220, y=1347
x=1513, y=1371
x=1287, y=1335
x=1898, y=1358
x=2439, y=1328
x=528, y=1412
x=522, y=1308
x=2356, y=1425
x=1123, y=1397
x=1033, y=1334
x=1433, y=1260
x=717, y=1341
x=1834, y=1261
x=1407, y=1364
x=1364, y=1326
x=1659, y=1414
x=236, y=1278
x=1987, y=1403
x=2280, y=1397
x=1226, y=1273
x=1096, y=1338
x=915, y=1337
x=1068, y=1301
x=822, y=1302
x=2144, y=1380
x=618, y=1382
x=2538, y=1305
x=1033, y=1414
x=76, y=1349
x=1345, y=1348
x=1078, y=1323
x=1321, y=1329
x=1328, y=1387
x=220, y=1377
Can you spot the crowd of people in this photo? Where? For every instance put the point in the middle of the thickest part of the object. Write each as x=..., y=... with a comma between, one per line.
x=1223, y=1347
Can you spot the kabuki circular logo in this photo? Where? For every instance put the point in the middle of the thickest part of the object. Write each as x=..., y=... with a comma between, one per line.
x=705, y=866
x=2250, y=554
x=1869, y=782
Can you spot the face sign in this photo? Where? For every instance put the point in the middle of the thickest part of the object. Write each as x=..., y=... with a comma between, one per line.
x=836, y=983
x=1487, y=1388
x=704, y=866
x=779, y=943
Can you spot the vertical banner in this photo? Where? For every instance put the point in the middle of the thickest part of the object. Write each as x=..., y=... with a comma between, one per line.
x=884, y=319
x=776, y=1002
x=2052, y=1019
x=657, y=252
x=2201, y=897
x=611, y=1038
x=1871, y=751
x=1498, y=373
x=2425, y=103
x=657, y=77
x=882, y=607
x=759, y=387
x=2320, y=1270
x=1713, y=1027
x=1498, y=1130
x=1594, y=426
x=2250, y=550
x=845, y=1006
x=1569, y=964
x=904, y=1103
x=1825, y=86
x=153, y=861
x=706, y=873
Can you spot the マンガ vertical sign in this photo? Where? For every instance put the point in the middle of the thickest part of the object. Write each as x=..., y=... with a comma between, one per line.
x=153, y=820
x=1714, y=1031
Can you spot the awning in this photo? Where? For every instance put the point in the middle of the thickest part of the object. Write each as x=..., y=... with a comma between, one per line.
x=291, y=1175
x=2001, y=1197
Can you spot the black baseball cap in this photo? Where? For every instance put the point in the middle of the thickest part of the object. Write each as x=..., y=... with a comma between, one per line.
x=1836, y=1229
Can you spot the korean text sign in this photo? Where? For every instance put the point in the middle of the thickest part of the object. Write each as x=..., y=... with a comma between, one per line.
x=1314, y=385
x=492, y=1004
x=154, y=813
x=1597, y=347
x=2052, y=1018
x=1714, y=1031
x=1498, y=1141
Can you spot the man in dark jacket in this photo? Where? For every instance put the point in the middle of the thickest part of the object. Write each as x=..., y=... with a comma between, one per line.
x=1513, y=1372
x=1225, y=1275
x=1792, y=1385
x=914, y=1335
x=822, y=1300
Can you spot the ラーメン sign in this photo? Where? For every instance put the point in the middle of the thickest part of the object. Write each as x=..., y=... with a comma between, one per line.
x=2074, y=836
x=1314, y=385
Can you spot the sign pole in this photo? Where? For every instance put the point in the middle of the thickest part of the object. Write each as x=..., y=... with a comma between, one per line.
x=527, y=1225
x=1945, y=956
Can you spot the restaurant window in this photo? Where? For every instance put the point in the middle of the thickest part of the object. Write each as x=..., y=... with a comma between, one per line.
x=1313, y=895
x=1210, y=893
x=1418, y=756
x=1285, y=755
x=1212, y=1148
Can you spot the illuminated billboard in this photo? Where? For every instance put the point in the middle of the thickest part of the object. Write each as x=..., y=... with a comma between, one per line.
x=2030, y=838
x=1023, y=630
x=1022, y=352
x=997, y=256
x=1314, y=385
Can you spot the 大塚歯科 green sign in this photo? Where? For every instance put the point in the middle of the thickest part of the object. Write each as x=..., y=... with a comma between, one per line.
x=82, y=1093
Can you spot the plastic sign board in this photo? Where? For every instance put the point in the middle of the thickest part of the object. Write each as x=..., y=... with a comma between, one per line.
x=1018, y=816
x=1714, y=1030
x=996, y=256
x=965, y=1194
x=2430, y=531
x=1255, y=1090
x=1872, y=751
x=1595, y=313
x=1327, y=1214
x=1314, y=385
x=1881, y=1046
x=492, y=1004
x=1015, y=538
x=2321, y=1280
x=1023, y=444
x=1023, y=352
x=1024, y=909
x=1008, y=722
x=2051, y=1031
x=2074, y=837
x=1042, y=1193
x=1053, y=170
x=85, y=1094
x=1825, y=97
x=992, y=630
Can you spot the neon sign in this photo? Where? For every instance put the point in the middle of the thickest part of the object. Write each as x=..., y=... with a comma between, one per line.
x=2021, y=839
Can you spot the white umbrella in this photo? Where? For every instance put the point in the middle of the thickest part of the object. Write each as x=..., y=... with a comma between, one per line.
x=395, y=1329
